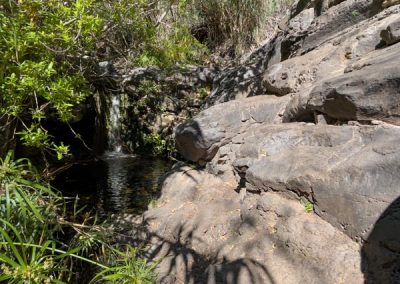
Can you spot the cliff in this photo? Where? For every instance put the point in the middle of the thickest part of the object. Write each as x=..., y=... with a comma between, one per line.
x=298, y=157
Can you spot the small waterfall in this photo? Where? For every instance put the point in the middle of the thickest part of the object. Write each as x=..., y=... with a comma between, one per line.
x=114, y=127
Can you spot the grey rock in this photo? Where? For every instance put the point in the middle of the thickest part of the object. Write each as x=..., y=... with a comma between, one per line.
x=367, y=93
x=349, y=172
x=105, y=68
x=300, y=56
x=392, y=33
x=200, y=138
x=205, y=232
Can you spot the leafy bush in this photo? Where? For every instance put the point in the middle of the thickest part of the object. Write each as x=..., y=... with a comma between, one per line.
x=42, y=62
x=48, y=50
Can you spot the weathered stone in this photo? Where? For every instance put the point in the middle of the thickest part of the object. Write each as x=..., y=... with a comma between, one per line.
x=300, y=72
x=205, y=232
x=201, y=137
x=329, y=144
x=369, y=92
x=381, y=251
x=303, y=20
x=326, y=48
x=349, y=172
x=392, y=33
x=389, y=3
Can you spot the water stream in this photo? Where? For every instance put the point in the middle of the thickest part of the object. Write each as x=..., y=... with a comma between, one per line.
x=114, y=127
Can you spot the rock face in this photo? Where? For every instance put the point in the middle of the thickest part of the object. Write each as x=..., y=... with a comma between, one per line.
x=153, y=101
x=200, y=138
x=362, y=93
x=312, y=126
x=205, y=232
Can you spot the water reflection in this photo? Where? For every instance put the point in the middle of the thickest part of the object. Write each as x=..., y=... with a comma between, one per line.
x=115, y=183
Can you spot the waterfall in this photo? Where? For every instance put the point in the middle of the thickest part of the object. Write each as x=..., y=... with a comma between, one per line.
x=114, y=127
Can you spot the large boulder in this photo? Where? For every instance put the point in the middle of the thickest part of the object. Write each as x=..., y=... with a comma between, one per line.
x=203, y=231
x=200, y=138
x=350, y=173
x=369, y=92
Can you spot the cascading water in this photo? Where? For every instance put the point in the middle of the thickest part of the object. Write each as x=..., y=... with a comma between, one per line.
x=114, y=128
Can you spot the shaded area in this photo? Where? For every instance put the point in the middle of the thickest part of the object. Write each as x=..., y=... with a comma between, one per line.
x=181, y=264
x=381, y=251
x=114, y=184
x=203, y=231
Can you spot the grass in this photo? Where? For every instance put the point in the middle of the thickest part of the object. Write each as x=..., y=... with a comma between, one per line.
x=41, y=243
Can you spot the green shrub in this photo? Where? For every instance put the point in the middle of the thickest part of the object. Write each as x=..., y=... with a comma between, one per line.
x=48, y=50
x=41, y=243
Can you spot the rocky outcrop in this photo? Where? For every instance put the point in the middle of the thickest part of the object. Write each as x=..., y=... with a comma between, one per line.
x=298, y=58
x=204, y=232
x=200, y=138
x=362, y=93
x=152, y=102
x=313, y=126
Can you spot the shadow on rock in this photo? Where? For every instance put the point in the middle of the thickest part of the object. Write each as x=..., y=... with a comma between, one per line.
x=181, y=264
x=381, y=252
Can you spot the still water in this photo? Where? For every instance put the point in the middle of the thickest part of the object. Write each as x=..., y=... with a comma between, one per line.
x=115, y=183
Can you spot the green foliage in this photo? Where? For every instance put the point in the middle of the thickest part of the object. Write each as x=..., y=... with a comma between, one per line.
x=34, y=244
x=178, y=46
x=157, y=144
x=41, y=51
x=309, y=207
x=130, y=269
x=148, y=87
x=204, y=92
x=49, y=48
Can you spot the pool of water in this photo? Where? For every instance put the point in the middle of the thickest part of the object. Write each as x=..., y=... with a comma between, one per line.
x=115, y=183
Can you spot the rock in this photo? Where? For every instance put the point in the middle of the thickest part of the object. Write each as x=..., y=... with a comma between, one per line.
x=105, y=68
x=162, y=122
x=389, y=3
x=241, y=81
x=200, y=138
x=300, y=72
x=327, y=143
x=392, y=33
x=320, y=52
x=380, y=252
x=367, y=93
x=252, y=239
x=302, y=21
x=349, y=172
